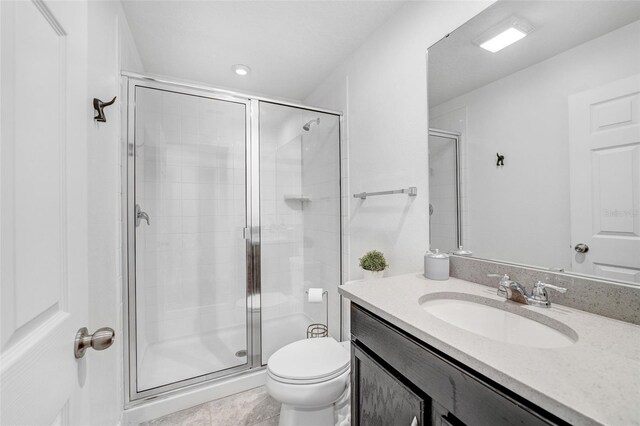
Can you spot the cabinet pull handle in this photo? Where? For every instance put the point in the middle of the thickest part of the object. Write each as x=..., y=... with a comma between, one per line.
x=415, y=421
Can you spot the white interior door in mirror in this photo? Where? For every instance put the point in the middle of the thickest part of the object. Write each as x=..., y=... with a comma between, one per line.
x=605, y=179
x=44, y=112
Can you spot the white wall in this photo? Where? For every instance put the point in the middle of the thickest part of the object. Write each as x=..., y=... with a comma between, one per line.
x=110, y=49
x=516, y=210
x=382, y=90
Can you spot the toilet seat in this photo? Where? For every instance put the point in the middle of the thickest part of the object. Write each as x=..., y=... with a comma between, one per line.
x=309, y=361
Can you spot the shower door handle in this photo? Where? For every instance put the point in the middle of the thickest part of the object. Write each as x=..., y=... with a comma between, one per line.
x=140, y=215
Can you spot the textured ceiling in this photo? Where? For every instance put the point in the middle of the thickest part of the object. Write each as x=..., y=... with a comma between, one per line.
x=291, y=46
x=457, y=66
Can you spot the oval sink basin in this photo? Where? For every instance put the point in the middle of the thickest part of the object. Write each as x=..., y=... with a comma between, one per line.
x=505, y=322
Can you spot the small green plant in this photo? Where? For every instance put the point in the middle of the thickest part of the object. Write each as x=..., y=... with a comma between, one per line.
x=373, y=261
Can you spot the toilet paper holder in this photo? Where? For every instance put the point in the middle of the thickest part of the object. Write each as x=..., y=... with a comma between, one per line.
x=317, y=329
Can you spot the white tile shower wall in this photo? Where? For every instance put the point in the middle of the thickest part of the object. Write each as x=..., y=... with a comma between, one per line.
x=281, y=252
x=284, y=262
x=111, y=48
x=191, y=168
x=540, y=156
x=382, y=89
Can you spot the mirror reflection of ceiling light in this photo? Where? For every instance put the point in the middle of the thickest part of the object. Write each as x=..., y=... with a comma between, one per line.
x=241, y=69
x=504, y=34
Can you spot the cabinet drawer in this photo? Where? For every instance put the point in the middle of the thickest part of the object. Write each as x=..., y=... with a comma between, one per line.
x=382, y=399
x=472, y=398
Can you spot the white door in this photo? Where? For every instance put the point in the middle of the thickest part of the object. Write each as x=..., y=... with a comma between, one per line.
x=43, y=122
x=604, y=126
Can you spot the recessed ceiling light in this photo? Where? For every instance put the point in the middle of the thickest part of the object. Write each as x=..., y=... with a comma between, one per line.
x=504, y=34
x=241, y=69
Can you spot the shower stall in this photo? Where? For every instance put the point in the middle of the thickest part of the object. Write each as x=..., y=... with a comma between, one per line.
x=231, y=211
x=445, y=204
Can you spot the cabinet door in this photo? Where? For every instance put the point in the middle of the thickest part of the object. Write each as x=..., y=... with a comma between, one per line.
x=464, y=396
x=440, y=416
x=380, y=398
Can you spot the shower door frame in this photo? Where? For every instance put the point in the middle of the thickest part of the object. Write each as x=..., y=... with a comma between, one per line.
x=252, y=287
x=130, y=81
x=455, y=137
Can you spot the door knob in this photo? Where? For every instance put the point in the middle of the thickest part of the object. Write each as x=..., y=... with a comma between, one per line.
x=581, y=248
x=100, y=340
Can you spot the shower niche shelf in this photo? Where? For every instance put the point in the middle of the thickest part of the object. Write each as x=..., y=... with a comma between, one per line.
x=298, y=197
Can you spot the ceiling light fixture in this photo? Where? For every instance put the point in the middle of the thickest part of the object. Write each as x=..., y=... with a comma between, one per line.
x=504, y=34
x=241, y=69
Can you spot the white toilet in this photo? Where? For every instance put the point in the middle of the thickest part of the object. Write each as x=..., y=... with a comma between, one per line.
x=308, y=377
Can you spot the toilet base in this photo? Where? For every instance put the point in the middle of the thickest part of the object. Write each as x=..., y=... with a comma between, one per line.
x=300, y=416
x=338, y=413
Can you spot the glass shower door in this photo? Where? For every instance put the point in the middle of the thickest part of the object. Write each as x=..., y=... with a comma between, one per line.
x=189, y=213
x=444, y=198
x=299, y=222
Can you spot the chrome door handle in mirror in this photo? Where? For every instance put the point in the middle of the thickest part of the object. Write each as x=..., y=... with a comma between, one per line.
x=581, y=248
x=140, y=215
x=100, y=340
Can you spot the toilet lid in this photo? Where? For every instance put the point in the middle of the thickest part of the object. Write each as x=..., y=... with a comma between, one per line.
x=310, y=359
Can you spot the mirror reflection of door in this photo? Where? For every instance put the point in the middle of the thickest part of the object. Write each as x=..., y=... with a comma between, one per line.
x=604, y=126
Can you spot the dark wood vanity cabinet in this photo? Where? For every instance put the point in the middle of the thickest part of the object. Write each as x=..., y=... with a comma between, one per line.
x=382, y=397
x=398, y=380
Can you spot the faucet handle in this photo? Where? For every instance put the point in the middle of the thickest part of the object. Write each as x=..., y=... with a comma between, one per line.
x=539, y=294
x=541, y=285
x=503, y=284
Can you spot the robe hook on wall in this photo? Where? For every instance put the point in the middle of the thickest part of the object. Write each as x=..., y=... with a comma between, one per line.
x=98, y=105
x=500, y=161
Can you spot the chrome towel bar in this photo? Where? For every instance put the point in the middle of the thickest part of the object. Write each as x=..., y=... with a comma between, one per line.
x=412, y=191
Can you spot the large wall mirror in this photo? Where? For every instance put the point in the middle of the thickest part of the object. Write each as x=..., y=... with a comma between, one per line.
x=534, y=146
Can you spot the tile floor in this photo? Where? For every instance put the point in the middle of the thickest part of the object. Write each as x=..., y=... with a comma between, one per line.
x=251, y=408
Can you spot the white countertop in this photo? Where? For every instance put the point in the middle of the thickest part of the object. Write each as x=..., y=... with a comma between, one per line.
x=594, y=381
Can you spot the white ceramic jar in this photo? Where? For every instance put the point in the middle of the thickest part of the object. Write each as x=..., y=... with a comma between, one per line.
x=436, y=265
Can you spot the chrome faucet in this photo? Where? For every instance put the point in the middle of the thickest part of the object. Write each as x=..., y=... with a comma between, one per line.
x=539, y=296
x=512, y=290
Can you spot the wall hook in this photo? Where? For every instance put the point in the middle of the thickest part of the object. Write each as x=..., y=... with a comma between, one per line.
x=500, y=161
x=98, y=105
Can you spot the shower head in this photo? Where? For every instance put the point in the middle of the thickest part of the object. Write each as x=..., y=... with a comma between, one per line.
x=308, y=124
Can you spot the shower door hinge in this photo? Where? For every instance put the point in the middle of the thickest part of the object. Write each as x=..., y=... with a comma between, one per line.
x=246, y=233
